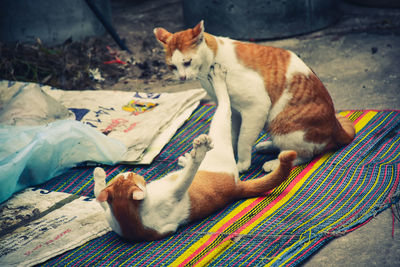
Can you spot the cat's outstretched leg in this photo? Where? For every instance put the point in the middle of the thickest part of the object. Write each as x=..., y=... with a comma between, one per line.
x=221, y=158
x=99, y=177
x=182, y=160
x=201, y=145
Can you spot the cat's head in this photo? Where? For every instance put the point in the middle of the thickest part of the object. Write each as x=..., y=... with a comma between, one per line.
x=124, y=195
x=125, y=188
x=182, y=50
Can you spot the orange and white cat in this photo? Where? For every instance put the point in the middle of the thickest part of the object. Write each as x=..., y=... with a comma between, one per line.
x=267, y=86
x=208, y=182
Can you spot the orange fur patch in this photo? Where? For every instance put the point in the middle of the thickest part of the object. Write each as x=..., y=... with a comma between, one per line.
x=209, y=192
x=183, y=41
x=174, y=177
x=211, y=42
x=310, y=109
x=261, y=186
x=126, y=212
x=348, y=133
x=270, y=62
x=186, y=42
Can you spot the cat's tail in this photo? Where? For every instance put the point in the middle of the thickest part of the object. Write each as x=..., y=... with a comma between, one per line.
x=260, y=186
x=346, y=131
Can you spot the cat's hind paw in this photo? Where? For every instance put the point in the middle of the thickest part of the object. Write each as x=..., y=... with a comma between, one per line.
x=201, y=145
x=271, y=165
x=243, y=166
x=266, y=147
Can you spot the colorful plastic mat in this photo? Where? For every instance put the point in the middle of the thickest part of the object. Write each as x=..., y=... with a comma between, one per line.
x=332, y=195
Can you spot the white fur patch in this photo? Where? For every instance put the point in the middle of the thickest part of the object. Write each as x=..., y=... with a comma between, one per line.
x=177, y=59
x=245, y=86
x=280, y=105
x=215, y=162
x=247, y=95
x=197, y=59
x=296, y=65
x=160, y=208
x=295, y=141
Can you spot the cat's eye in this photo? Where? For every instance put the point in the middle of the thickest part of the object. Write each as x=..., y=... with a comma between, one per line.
x=172, y=67
x=187, y=63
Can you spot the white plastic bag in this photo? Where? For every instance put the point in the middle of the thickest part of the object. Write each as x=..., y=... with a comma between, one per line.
x=30, y=155
x=30, y=105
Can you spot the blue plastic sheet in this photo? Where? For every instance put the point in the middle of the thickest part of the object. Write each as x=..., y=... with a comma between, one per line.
x=31, y=155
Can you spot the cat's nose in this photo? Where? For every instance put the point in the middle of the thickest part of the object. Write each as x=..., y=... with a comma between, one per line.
x=183, y=77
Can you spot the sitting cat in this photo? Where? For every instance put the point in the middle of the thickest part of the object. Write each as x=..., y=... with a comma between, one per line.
x=208, y=182
x=266, y=85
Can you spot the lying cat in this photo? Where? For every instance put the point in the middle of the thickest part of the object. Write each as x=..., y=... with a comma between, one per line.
x=208, y=182
x=267, y=85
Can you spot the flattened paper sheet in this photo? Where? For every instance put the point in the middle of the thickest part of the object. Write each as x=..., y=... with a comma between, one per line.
x=37, y=225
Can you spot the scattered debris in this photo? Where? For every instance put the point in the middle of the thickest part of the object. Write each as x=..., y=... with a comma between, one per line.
x=90, y=64
x=96, y=75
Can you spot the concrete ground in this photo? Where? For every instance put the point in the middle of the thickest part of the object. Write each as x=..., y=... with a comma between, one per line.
x=358, y=59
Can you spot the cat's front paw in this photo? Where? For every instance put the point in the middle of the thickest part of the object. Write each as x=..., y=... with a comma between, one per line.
x=201, y=145
x=243, y=165
x=99, y=176
x=271, y=165
x=217, y=73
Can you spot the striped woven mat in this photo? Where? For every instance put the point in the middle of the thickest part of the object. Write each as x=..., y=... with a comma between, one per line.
x=334, y=194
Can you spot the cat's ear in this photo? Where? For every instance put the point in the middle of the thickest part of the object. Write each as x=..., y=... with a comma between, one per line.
x=103, y=196
x=139, y=193
x=198, y=32
x=162, y=35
